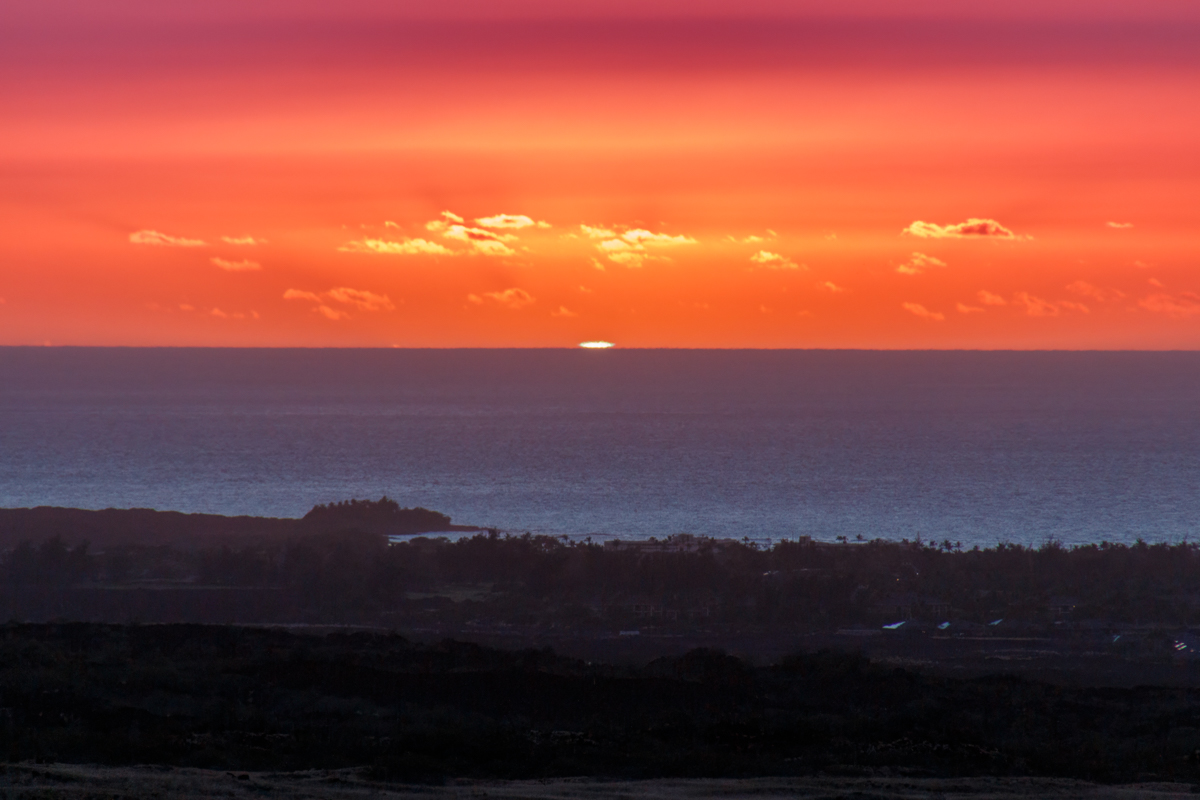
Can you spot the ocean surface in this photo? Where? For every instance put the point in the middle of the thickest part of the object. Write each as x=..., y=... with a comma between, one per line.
x=974, y=447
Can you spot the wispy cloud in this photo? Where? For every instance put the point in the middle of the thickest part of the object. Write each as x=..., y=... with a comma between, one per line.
x=367, y=301
x=918, y=263
x=243, y=241
x=973, y=228
x=563, y=311
x=629, y=247
x=246, y=265
x=963, y=308
x=921, y=311
x=164, y=240
x=359, y=298
x=1070, y=305
x=513, y=298
x=331, y=313
x=483, y=241
x=1118, y=224
x=771, y=260
x=597, y=233
x=989, y=299
x=407, y=247
x=1163, y=303
x=510, y=221
x=1095, y=292
x=1036, y=306
x=831, y=286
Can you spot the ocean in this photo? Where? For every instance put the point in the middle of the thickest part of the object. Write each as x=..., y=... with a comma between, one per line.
x=970, y=447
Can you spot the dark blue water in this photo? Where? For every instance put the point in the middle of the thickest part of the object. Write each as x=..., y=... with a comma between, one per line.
x=973, y=447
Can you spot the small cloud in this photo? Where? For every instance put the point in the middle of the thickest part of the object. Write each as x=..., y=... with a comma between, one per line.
x=1072, y=306
x=367, y=301
x=1095, y=292
x=186, y=307
x=485, y=242
x=387, y=223
x=640, y=236
x=510, y=221
x=408, y=247
x=246, y=265
x=362, y=299
x=922, y=312
x=918, y=264
x=973, y=228
x=773, y=260
x=752, y=239
x=585, y=290
x=331, y=313
x=1141, y=265
x=163, y=240
x=563, y=311
x=1036, y=306
x=1118, y=225
x=966, y=309
x=989, y=299
x=1156, y=283
x=632, y=260
x=831, y=286
x=512, y=298
x=831, y=236
x=216, y=312
x=1170, y=306
x=597, y=233
x=243, y=241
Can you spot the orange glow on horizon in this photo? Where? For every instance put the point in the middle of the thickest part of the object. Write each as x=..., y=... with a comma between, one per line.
x=656, y=183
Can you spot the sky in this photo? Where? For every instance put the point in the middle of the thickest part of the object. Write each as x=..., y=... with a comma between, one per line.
x=530, y=173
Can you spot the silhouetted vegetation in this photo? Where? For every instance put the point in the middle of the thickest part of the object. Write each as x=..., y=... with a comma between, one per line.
x=338, y=565
x=247, y=698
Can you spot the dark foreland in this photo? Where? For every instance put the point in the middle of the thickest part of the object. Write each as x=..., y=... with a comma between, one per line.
x=357, y=637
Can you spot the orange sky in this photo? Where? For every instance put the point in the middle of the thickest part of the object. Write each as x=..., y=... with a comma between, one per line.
x=656, y=175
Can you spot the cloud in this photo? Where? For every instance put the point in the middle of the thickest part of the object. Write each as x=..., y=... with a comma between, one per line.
x=367, y=301
x=831, y=286
x=513, y=298
x=1141, y=265
x=629, y=247
x=510, y=221
x=773, y=260
x=989, y=299
x=1118, y=224
x=243, y=241
x=966, y=309
x=918, y=264
x=1170, y=306
x=1036, y=306
x=563, y=311
x=1095, y=292
x=632, y=260
x=1156, y=283
x=163, y=240
x=1072, y=306
x=246, y=265
x=485, y=242
x=922, y=312
x=408, y=247
x=641, y=236
x=971, y=229
x=331, y=313
x=360, y=298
